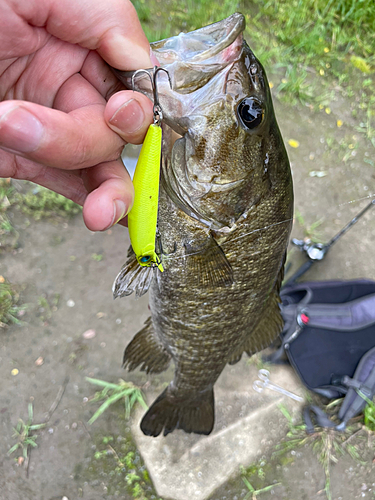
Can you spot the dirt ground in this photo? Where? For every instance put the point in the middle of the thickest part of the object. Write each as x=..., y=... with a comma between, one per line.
x=68, y=291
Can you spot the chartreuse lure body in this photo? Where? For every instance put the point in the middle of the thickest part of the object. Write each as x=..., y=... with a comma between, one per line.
x=142, y=218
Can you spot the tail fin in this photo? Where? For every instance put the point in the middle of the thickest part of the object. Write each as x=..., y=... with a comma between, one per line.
x=167, y=412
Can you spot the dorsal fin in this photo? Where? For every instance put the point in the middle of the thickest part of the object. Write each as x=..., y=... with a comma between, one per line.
x=132, y=278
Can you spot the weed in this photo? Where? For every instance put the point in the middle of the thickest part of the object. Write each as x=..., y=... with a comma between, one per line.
x=9, y=235
x=328, y=444
x=97, y=257
x=9, y=298
x=40, y=202
x=24, y=434
x=311, y=231
x=122, y=465
x=47, y=306
x=369, y=413
x=113, y=393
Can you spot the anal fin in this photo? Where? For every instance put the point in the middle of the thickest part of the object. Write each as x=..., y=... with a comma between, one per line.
x=209, y=263
x=146, y=351
x=170, y=413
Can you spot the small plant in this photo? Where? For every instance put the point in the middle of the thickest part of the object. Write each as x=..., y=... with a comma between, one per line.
x=369, y=413
x=24, y=434
x=113, y=393
x=125, y=468
x=253, y=492
x=9, y=310
x=311, y=231
x=97, y=257
x=47, y=305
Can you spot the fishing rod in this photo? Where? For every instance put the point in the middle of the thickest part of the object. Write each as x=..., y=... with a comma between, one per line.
x=316, y=252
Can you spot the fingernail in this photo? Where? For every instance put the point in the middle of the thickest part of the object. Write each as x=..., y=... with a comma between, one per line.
x=20, y=130
x=128, y=118
x=119, y=211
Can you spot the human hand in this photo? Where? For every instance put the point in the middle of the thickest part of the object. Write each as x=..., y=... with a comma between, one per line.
x=54, y=87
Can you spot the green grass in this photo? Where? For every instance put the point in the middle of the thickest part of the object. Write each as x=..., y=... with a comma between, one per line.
x=112, y=393
x=316, y=50
x=24, y=433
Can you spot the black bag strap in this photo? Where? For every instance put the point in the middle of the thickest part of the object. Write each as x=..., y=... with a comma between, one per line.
x=321, y=418
x=293, y=315
x=361, y=389
x=349, y=316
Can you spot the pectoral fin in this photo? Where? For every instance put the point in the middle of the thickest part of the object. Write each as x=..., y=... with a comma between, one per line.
x=209, y=263
x=132, y=278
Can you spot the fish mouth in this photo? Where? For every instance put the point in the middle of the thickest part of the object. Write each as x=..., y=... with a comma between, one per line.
x=191, y=59
x=200, y=45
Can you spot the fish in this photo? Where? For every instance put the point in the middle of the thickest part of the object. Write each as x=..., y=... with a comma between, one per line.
x=224, y=220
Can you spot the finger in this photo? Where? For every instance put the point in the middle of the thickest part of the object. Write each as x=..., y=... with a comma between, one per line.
x=121, y=115
x=112, y=196
x=66, y=183
x=72, y=140
x=112, y=28
x=96, y=71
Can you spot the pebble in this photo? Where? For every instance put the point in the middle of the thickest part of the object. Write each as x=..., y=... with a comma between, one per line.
x=89, y=334
x=70, y=303
x=39, y=361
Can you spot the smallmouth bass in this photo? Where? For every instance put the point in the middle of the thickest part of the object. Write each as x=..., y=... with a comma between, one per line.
x=224, y=219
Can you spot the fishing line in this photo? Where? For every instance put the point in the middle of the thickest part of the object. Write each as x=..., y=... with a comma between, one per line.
x=354, y=201
x=231, y=241
x=179, y=256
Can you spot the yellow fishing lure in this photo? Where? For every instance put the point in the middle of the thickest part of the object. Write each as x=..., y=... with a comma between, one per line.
x=142, y=219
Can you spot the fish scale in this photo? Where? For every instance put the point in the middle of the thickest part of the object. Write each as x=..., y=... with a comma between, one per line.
x=224, y=222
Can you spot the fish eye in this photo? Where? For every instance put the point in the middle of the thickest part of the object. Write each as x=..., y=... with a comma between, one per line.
x=250, y=112
x=145, y=259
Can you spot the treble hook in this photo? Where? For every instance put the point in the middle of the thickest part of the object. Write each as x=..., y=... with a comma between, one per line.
x=158, y=113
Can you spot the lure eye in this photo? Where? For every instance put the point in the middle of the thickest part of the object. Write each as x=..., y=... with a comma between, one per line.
x=250, y=113
x=145, y=259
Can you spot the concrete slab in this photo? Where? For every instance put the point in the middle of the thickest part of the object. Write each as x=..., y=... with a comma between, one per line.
x=247, y=423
